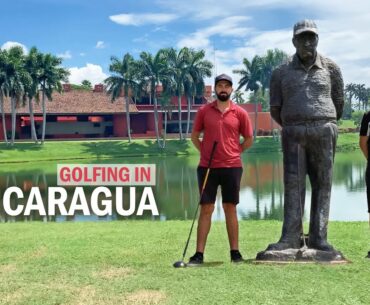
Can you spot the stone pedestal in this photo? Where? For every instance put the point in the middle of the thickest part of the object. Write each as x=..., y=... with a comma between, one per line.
x=303, y=255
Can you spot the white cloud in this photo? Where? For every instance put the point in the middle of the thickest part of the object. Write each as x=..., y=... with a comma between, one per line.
x=91, y=72
x=100, y=45
x=9, y=44
x=82, y=54
x=142, y=19
x=343, y=30
x=226, y=27
x=66, y=55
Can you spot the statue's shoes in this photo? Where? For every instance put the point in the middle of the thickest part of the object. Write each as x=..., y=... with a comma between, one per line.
x=321, y=245
x=283, y=245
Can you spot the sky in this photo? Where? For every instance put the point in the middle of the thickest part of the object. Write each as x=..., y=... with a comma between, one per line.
x=86, y=33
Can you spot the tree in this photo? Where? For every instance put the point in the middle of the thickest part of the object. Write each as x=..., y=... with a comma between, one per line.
x=154, y=70
x=350, y=91
x=198, y=68
x=251, y=77
x=165, y=102
x=32, y=66
x=86, y=84
x=50, y=77
x=3, y=88
x=362, y=96
x=270, y=62
x=257, y=75
x=15, y=80
x=178, y=68
x=122, y=80
x=238, y=97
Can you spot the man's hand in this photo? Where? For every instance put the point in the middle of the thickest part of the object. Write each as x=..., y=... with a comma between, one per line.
x=246, y=143
x=195, y=139
x=275, y=113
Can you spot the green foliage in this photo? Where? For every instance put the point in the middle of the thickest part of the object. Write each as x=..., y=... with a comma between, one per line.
x=80, y=87
x=360, y=93
x=259, y=97
x=238, y=97
x=257, y=73
x=357, y=117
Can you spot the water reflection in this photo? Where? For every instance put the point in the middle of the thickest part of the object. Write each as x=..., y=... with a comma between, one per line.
x=176, y=191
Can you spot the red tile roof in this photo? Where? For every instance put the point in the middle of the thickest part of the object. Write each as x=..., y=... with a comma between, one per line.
x=77, y=102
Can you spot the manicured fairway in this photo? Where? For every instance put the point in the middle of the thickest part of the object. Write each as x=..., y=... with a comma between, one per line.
x=130, y=262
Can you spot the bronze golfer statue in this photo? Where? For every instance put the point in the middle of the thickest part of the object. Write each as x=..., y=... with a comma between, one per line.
x=306, y=99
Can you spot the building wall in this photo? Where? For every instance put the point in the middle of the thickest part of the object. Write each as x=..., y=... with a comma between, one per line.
x=138, y=123
x=83, y=128
x=119, y=125
x=264, y=121
x=8, y=123
x=142, y=123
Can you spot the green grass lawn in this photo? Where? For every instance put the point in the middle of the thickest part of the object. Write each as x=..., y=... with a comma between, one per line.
x=347, y=124
x=130, y=262
x=110, y=149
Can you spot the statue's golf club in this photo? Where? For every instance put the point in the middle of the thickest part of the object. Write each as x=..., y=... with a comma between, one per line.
x=182, y=264
x=304, y=247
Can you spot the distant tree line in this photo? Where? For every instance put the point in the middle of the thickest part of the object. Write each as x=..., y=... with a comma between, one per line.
x=24, y=79
x=31, y=78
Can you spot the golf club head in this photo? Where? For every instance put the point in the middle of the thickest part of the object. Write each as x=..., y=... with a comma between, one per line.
x=368, y=255
x=179, y=264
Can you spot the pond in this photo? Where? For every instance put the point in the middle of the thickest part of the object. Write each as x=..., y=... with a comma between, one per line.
x=176, y=193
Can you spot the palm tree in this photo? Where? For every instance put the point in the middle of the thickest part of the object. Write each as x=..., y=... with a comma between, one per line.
x=50, y=77
x=122, y=80
x=361, y=95
x=178, y=67
x=15, y=80
x=165, y=101
x=238, y=97
x=271, y=60
x=350, y=91
x=198, y=68
x=32, y=65
x=3, y=89
x=154, y=70
x=251, y=77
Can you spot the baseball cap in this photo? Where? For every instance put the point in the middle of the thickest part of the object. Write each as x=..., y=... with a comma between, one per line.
x=223, y=77
x=305, y=26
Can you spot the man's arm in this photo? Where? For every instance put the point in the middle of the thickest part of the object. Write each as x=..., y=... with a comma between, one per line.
x=337, y=88
x=248, y=141
x=195, y=139
x=275, y=113
x=364, y=135
x=363, y=145
x=276, y=97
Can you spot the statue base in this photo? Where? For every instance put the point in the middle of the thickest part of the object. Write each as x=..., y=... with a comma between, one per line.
x=303, y=255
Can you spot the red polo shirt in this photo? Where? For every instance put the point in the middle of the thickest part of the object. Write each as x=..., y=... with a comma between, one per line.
x=225, y=128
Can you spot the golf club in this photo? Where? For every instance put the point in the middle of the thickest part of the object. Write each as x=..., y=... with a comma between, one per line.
x=182, y=264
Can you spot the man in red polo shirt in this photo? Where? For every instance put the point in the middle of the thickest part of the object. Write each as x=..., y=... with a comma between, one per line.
x=224, y=122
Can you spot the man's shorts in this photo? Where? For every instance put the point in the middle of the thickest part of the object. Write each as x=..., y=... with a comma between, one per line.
x=227, y=177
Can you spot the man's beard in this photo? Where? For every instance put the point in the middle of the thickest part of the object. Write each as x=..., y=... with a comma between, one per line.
x=223, y=96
